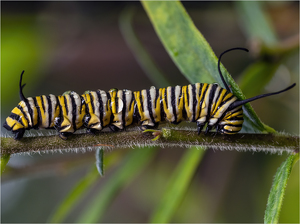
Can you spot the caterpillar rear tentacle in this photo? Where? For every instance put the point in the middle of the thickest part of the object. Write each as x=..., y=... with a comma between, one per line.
x=205, y=104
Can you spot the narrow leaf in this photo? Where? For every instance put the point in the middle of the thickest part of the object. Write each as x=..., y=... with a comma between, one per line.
x=257, y=75
x=133, y=164
x=255, y=22
x=178, y=186
x=140, y=53
x=192, y=53
x=75, y=195
x=278, y=188
x=99, y=160
x=4, y=160
x=81, y=189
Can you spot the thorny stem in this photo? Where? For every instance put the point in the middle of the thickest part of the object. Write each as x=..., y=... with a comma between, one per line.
x=274, y=143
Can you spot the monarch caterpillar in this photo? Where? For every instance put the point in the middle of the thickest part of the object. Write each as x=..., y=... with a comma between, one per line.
x=201, y=102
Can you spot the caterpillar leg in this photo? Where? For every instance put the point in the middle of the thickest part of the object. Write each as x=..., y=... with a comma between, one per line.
x=64, y=135
x=145, y=127
x=113, y=128
x=208, y=129
x=200, y=127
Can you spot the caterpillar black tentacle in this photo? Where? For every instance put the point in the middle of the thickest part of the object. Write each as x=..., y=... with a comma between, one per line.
x=205, y=104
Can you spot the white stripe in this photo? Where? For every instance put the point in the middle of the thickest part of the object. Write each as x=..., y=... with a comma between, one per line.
x=46, y=106
x=54, y=104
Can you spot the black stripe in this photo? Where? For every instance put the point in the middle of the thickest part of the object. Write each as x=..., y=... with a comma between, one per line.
x=165, y=96
x=100, y=107
x=141, y=100
x=124, y=108
x=49, y=110
x=82, y=103
x=173, y=101
x=136, y=114
x=194, y=99
x=199, y=102
x=16, y=117
x=92, y=102
x=236, y=118
x=225, y=112
x=74, y=111
x=218, y=97
x=38, y=110
x=43, y=106
x=30, y=111
x=187, y=95
x=203, y=98
x=60, y=115
x=149, y=105
x=24, y=114
x=162, y=110
x=211, y=98
x=66, y=104
x=108, y=105
x=184, y=115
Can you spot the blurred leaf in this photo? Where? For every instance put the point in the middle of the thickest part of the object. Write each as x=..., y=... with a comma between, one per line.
x=21, y=49
x=99, y=160
x=75, y=195
x=4, y=160
x=278, y=188
x=192, y=53
x=81, y=189
x=133, y=164
x=139, y=52
x=255, y=22
x=178, y=185
x=256, y=77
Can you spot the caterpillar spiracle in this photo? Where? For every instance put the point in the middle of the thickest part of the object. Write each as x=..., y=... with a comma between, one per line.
x=201, y=103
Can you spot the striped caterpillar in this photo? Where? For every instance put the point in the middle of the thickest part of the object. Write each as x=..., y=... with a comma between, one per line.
x=205, y=104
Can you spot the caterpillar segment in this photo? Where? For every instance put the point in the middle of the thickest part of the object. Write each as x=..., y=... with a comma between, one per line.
x=206, y=104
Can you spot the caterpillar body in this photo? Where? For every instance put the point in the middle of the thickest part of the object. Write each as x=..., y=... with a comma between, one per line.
x=205, y=104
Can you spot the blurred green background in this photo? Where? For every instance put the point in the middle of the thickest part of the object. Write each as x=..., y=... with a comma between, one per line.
x=79, y=46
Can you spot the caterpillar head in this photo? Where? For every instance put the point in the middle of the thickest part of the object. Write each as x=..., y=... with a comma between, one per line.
x=16, y=122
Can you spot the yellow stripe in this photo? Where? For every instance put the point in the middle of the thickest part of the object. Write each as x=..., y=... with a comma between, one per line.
x=227, y=96
x=200, y=99
x=219, y=101
x=19, y=112
x=165, y=95
x=230, y=115
x=43, y=117
x=113, y=93
x=232, y=128
x=156, y=114
x=139, y=105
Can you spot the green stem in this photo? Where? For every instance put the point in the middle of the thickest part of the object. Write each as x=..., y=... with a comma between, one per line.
x=275, y=143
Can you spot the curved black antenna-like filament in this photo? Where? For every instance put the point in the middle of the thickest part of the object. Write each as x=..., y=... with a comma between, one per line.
x=21, y=88
x=219, y=64
x=242, y=102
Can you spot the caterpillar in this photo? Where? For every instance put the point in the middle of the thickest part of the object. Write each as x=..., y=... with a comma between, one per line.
x=205, y=104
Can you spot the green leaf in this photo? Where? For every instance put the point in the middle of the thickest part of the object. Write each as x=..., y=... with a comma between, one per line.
x=75, y=195
x=4, y=160
x=278, y=188
x=81, y=189
x=132, y=165
x=140, y=53
x=192, y=53
x=178, y=185
x=256, y=77
x=255, y=22
x=99, y=160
